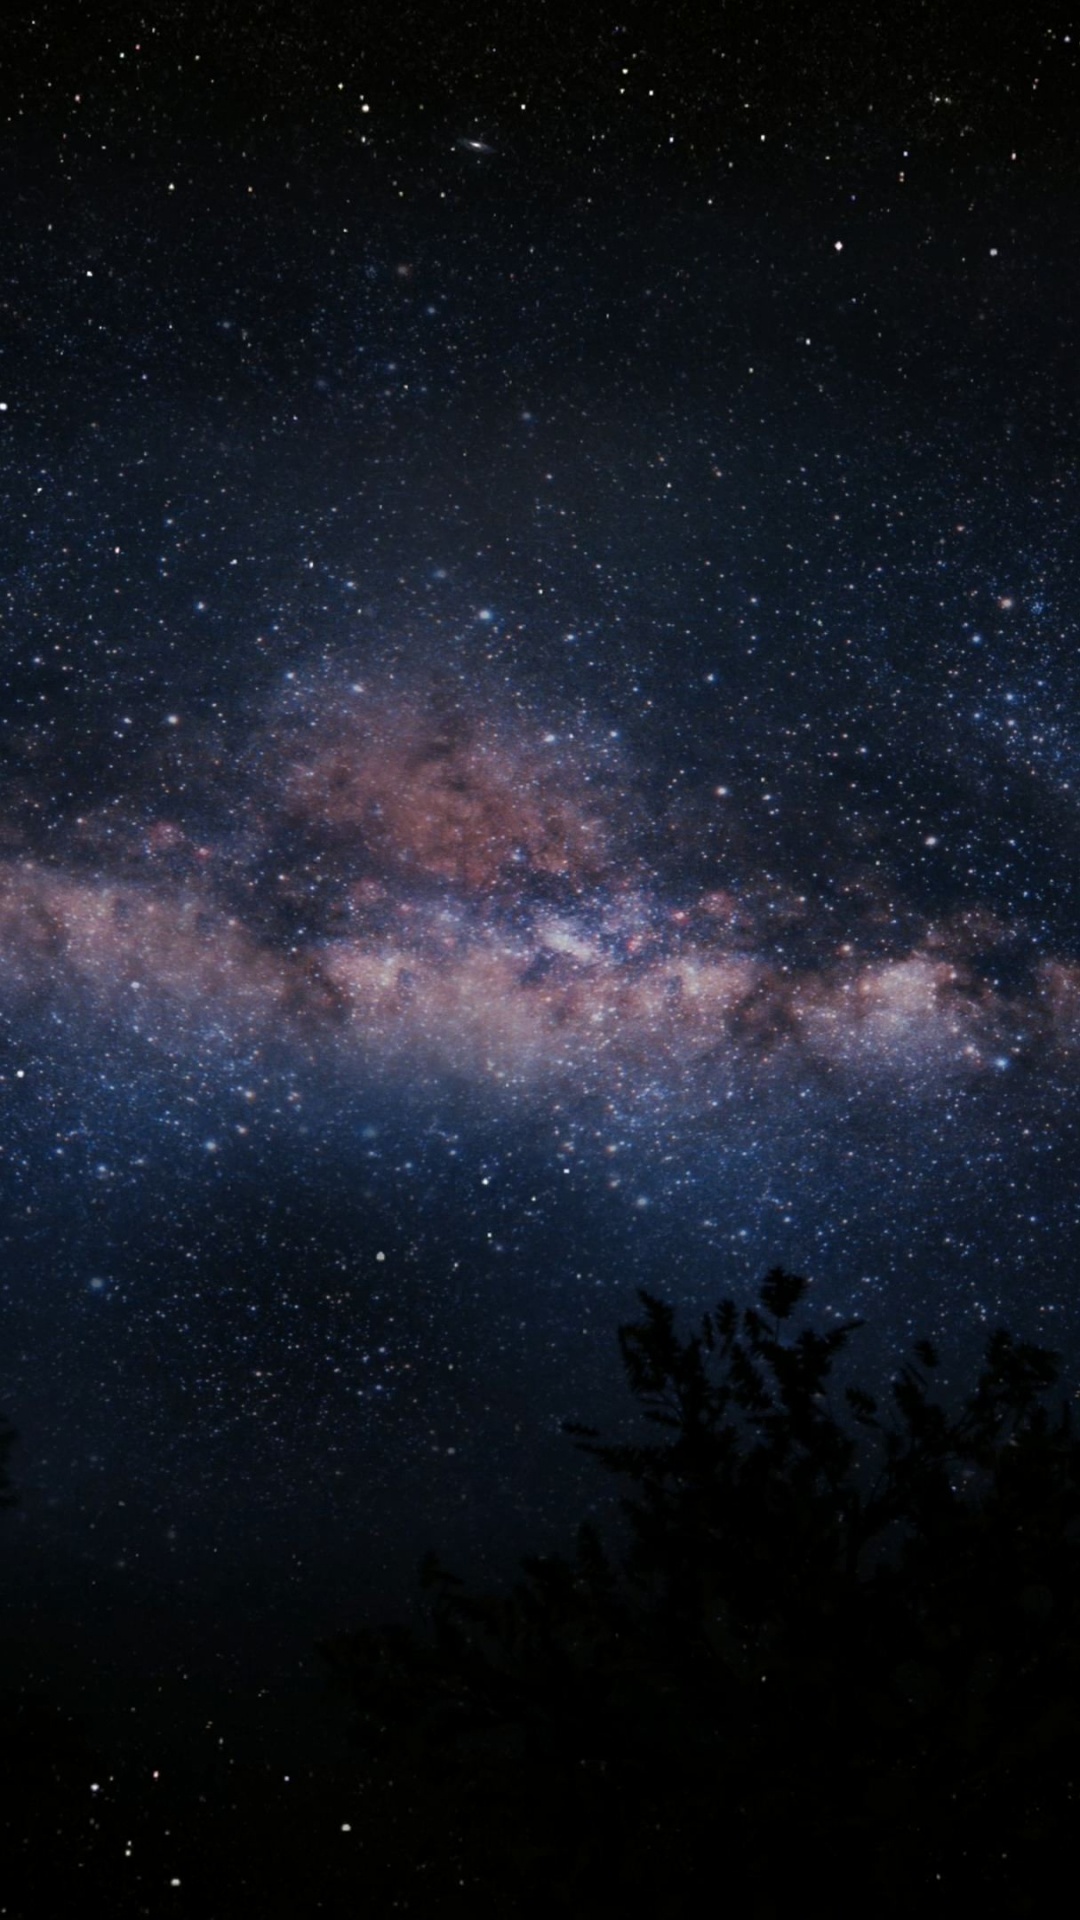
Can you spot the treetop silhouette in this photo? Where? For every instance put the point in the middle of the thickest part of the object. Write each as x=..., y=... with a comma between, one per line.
x=847, y=1621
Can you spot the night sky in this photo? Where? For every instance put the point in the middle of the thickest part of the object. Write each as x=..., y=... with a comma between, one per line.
x=539, y=756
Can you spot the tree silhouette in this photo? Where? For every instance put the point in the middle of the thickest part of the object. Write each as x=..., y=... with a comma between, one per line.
x=840, y=1650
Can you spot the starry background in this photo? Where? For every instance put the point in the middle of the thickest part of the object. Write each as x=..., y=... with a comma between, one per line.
x=539, y=755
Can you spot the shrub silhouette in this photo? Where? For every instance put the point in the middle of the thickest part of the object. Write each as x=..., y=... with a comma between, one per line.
x=838, y=1651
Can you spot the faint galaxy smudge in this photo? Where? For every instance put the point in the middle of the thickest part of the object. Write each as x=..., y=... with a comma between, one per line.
x=431, y=880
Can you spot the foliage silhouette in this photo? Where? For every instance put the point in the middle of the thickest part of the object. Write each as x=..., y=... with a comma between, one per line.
x=842, y=1645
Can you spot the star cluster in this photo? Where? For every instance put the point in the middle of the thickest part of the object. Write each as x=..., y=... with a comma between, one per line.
x=423, y=880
